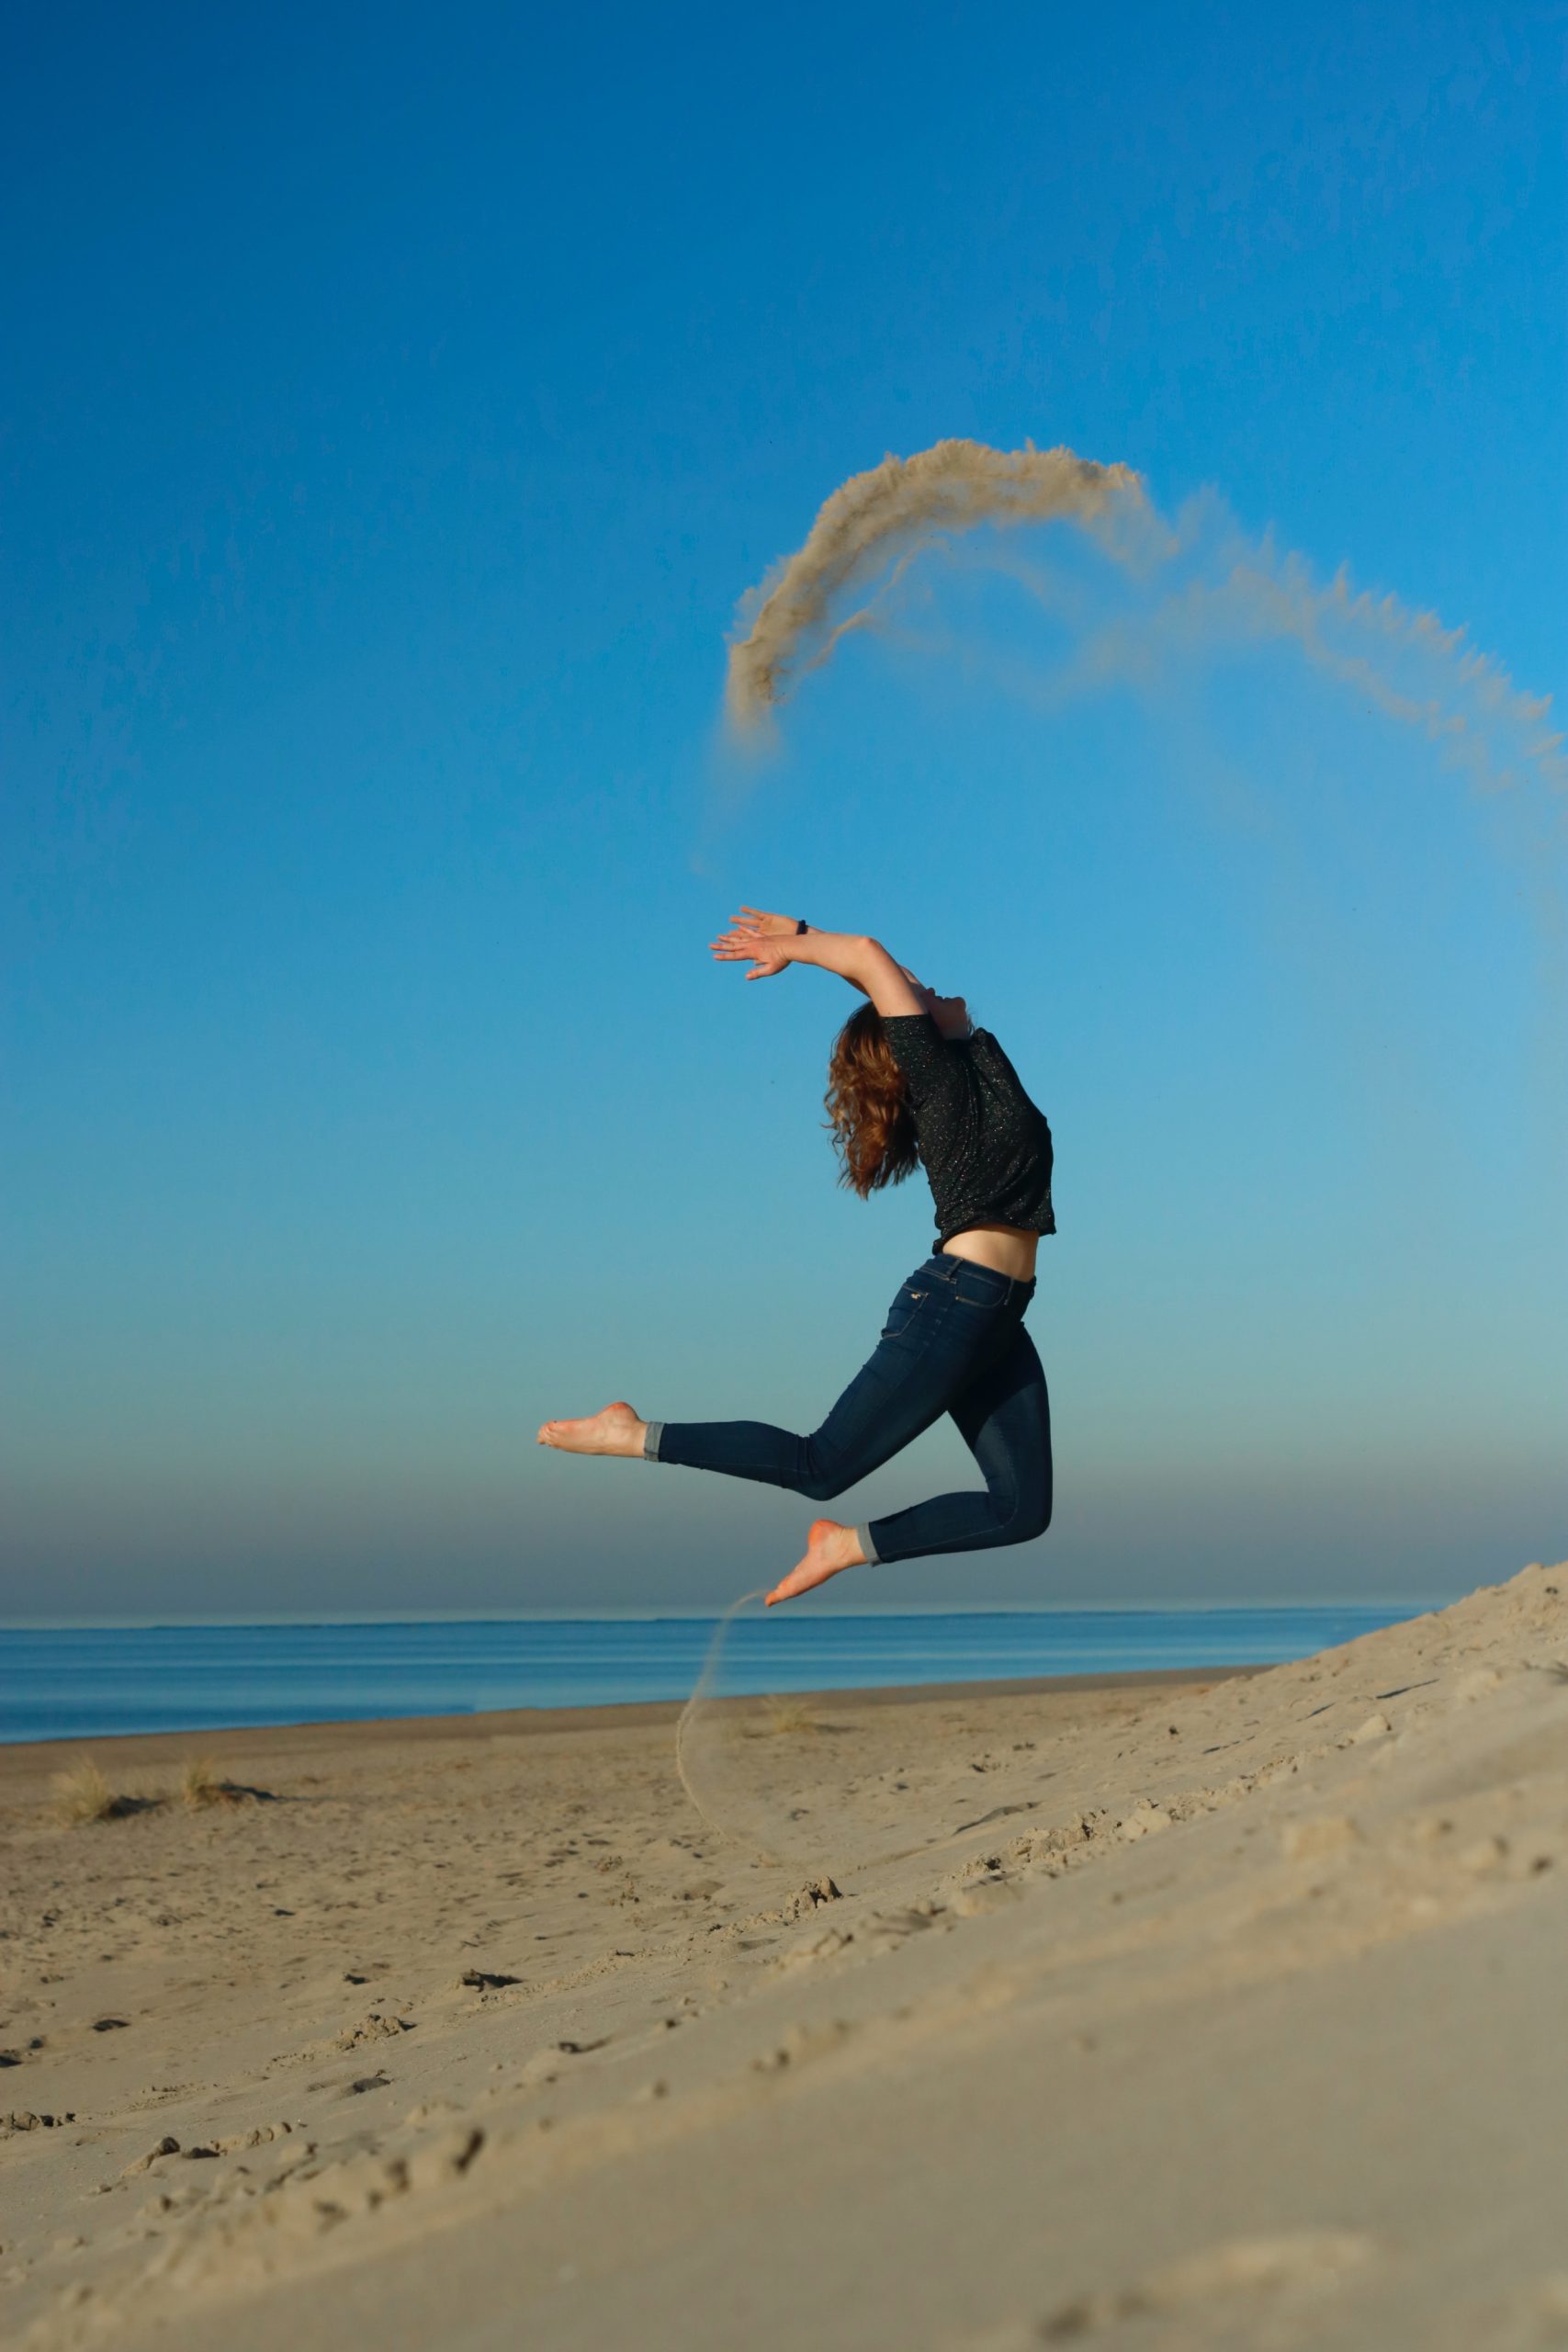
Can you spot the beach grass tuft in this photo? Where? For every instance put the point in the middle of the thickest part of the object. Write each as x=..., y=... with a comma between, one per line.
x=82, y=1795
x=201, y=1784
x=789, y=1715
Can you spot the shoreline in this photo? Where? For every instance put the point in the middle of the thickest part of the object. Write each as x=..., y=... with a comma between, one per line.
x=174, y=1745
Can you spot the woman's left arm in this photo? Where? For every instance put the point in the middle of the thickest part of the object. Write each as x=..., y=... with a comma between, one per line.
x=770, y=943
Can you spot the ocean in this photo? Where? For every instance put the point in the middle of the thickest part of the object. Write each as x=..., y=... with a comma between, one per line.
x=91, y=1681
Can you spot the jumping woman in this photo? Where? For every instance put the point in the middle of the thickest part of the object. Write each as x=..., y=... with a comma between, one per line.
x=911, y=1079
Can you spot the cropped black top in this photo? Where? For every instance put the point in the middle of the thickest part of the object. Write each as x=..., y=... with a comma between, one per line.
x=983, y=1143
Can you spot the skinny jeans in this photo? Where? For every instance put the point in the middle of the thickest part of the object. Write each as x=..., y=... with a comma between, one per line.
x=953, y=1342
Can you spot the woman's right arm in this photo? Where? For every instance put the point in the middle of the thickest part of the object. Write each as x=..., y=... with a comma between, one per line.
x=771, y=942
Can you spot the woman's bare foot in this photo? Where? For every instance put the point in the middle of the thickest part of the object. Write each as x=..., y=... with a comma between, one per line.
x=829, y=1549
x=615, y=1431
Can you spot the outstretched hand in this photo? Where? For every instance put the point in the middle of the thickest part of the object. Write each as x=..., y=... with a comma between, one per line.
x=757, y=939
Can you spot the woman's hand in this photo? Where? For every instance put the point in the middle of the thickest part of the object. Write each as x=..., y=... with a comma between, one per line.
x=760, y=940
x=775, y=926
x=769, y=942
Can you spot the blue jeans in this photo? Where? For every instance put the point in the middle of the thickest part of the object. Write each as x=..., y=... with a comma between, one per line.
x=953, y=1342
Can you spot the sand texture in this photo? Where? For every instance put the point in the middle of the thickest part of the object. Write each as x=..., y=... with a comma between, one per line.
x=1223, y=2015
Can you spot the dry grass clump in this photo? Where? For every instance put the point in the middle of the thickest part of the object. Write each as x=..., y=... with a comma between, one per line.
x=201, y=1785
x=790, y=1715
x=82, y=1795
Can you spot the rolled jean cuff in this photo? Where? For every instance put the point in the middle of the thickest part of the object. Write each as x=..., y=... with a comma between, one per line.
x=868, y=1549
x=653, y=1431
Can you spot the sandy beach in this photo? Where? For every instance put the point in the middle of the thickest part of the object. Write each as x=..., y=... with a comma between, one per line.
x=1217, y=2011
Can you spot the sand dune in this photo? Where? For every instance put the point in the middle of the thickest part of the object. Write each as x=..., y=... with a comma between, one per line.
x=1192, y=2014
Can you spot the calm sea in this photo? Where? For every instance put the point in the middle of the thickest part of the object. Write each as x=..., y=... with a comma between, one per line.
x=90, y=1681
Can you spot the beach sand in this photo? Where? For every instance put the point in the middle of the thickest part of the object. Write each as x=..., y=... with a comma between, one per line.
x=1187, y=2012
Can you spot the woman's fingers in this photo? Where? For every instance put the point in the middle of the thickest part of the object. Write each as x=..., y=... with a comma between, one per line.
x=753, y=954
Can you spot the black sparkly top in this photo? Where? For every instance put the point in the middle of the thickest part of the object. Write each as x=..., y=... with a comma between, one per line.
x=983, y=1143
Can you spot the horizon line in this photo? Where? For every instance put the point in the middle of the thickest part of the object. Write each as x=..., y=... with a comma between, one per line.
x=1413, y=1606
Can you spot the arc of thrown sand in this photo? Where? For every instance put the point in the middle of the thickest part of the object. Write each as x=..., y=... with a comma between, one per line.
x=702, y=1690
x=953, y=486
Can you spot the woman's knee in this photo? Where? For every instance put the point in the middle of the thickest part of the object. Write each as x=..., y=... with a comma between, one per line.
x=821, y=1476
x=1029, y=1517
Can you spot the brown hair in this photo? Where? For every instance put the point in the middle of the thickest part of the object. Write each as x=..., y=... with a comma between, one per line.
x=873, y=1134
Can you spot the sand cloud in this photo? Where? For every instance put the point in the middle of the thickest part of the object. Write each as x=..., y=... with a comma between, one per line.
x=1197, y=587
x=892, y=512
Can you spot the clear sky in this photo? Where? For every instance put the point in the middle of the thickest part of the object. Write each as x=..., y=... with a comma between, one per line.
x=397, y=402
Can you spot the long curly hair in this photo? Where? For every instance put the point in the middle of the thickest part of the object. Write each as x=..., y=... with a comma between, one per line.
x=872, y=1131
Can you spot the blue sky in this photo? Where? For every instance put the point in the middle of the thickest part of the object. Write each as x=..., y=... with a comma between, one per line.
x=399, y=403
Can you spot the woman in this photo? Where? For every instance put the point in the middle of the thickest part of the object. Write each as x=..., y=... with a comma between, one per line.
x=910, y=1077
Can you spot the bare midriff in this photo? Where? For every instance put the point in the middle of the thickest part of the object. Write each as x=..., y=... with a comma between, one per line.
x=1006, y=1249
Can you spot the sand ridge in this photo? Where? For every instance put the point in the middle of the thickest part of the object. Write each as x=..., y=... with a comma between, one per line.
x=1204, y=2013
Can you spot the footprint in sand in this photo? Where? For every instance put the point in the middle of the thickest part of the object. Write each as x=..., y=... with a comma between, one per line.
x=379, y=2026
x=883, y=1931
x=824, y=1946
x=886, y=1930
x=1222, y=2287
x=802, y=2044
x=978, y=1895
